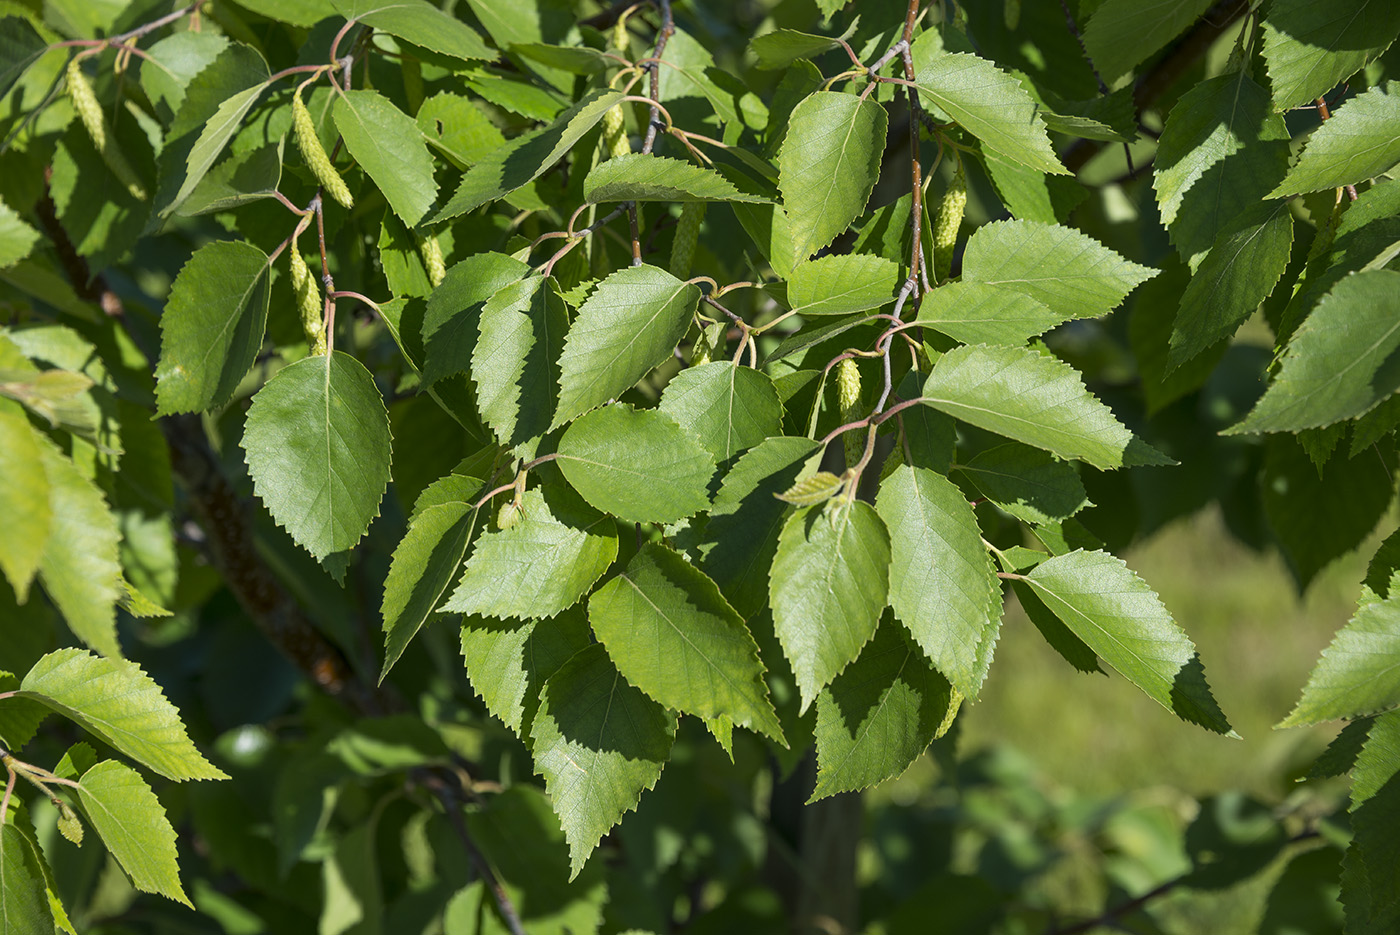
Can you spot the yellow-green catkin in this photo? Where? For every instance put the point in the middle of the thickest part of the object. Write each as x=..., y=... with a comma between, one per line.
x=687, y=236
x=948, y=223
x=433, y=261
x=308, y=296
x=315, y=154
x=90, y=112
x=848, y=399
x=614, y=129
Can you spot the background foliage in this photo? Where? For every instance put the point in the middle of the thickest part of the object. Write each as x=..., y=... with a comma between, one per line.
x=517, y=339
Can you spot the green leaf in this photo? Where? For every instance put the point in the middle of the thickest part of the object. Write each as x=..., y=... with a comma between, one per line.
x=644, y=177
x=986, y=102
x=746, y=519
x=401, y=260
x=1371, y=867
x=354, y=898
x=1035, y=399
x=212, y=327
x=1361, y=141
x=17, y=238
x=451, y=322
x=515, y=362
x=1318, y=518
x=1359, y=672
x=1236, y=275
x=317, y=444
x=976, y=313
x=1072, y=275
x=879, y=715
x=650, y=307
x=540, y=566
x=122, y=706
x=524, y=158
x=1337, y=364
x=133, y=826
x=20, y=46
x=458, y=128
x=1222, y=149
x=1123, y=33
x=79, y=565
x=827, y=166
x=841, y=284
x=1029, y=484
x=828, y=584
x=727, y=407
x=19, y=717
x=390, y=148
x=943, y=587
x=243, y=178
x=302, y=13
x=781, y=47
x=218, y=130
x=638, y=465
x=1117, y=615
x=508, y=663
x=170, y=65
x=420, y=23
x=25, y=499
x=599, y=743
x=673, y=635
x=24, y=904
x=1309, y=48
x=424, y=564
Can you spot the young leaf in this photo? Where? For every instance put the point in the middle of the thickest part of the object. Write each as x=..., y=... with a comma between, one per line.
x=133, y=826
x=746, y=519
x=390, y=148
x=509, y=662
x=650, y=307
x=976, y=313
x=515, y=363
x=25, y=499
x=599, y=743
x=1309, y=48
x=1035, y=399
x=451, y=322
x=317, y=444
x=814, y=490
x=828, y=584
x=540, y=566
x=1118, y=616
x=1336, y=365
x=842, y=284
x=24, y=904
x=1072, y=275
x=522, y=160
x=1361, y=141
x=943, y=586
x=879, y=715
x=218, y=130
x=79, y=565
x=728, y=408
x=828, y=166
x=670, y=633
x=1359, y=672
x=1122, y=33
x=1236, y=275
x=644, y=177
x=986, y=102
x=121, y=705
x=1029, y=484
x=212, y=327
x=424, y=564
x=1222, y=149
x=638, y=465
x=420, y=23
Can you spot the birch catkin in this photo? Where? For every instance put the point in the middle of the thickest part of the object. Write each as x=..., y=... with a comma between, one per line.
x=308, y=296
x=315, y=154
x=90, y=112
x=433, y=261
x=950, y=217
x=687, y=236
x=848, y=398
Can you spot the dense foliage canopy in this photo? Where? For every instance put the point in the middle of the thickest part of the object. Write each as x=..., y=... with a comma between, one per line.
x=532, y=465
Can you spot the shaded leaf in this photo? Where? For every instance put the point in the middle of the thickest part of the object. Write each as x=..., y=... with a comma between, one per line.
x=1310, y=47
x=25, y=499
x=1029, y=484
x=17, y=238
x=121, y=705
x=1123, y=33
x=24, y=904
x=317, y=444
x=514, y=364
x=638, y=465
x=451, y=322
x=509, y=662
x=599, y=743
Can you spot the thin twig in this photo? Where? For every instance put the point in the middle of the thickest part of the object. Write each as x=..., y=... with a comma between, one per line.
x=452, y=805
